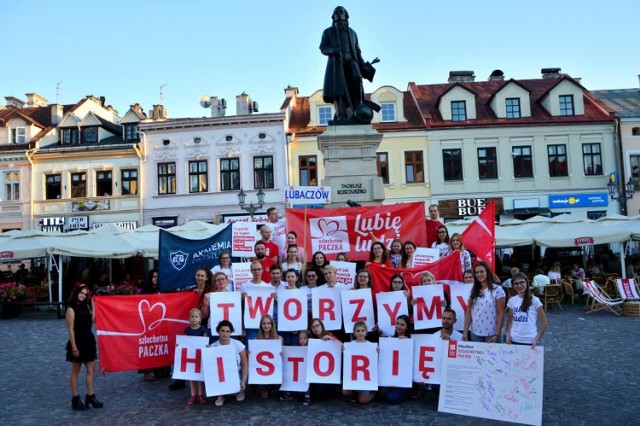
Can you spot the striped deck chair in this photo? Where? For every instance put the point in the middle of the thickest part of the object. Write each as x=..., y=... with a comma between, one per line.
x=600, y=300
x=627, y=290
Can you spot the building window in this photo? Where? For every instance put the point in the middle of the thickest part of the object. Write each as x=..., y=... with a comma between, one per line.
x=90, y=134
x=12, y=186
x=635, y=170
x=566, y=105
x=596, y=214
x=452, y=164
x=635, y=131
x=592, y=159
x=308, y=170
x=198, y=176
x=324, y=115
x=382, y=161
x=513, y=107
x=263, y=172
x=166, y=178
x=487, y=163
x=557, y=160
x=104, y=183
x=522, y=161
x=53, y=188
x=230, y=174
x=78, y=185
x=131, y=132
x=388, y=112
x=19, y=135
x=414, y=167
x=459, y=110
x=70, y=136
x=129, y=181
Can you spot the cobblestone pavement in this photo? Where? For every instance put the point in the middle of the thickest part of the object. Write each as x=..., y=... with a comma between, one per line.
x=592, y=376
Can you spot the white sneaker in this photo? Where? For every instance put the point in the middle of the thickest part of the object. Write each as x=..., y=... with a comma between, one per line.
x=220, y=401
x=240, y=396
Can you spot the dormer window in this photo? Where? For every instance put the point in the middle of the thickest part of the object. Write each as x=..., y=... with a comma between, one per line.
x=635, y=131
x=18, y=135
x=324, y=115
x=90, y=134
x=458, y=110
x=566, y=105
x=70, y=136
x=512, y=106
x=131, y=132
x=388, y=112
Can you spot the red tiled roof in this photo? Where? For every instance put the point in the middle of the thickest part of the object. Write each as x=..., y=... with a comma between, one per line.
x=40, y=116
x=301, y=116
x=427, y=96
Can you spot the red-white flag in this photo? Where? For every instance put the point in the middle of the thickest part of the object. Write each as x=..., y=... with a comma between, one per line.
x=480, y=236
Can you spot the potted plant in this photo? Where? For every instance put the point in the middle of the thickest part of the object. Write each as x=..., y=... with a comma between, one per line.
x=10, y=295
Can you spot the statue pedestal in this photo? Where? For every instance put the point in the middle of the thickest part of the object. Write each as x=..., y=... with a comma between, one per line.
x=350, y=164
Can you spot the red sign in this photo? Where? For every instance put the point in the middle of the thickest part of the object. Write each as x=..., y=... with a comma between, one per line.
x=583, y=241
x=350, y=230
x=139, y=331
x=6, y=255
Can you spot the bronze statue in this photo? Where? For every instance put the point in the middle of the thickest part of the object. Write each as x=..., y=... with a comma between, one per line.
x=344, y=73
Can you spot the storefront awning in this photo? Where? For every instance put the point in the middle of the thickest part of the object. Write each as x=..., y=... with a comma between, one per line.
x=534, y=210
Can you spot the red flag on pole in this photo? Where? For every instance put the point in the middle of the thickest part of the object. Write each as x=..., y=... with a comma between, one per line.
x=480, y=236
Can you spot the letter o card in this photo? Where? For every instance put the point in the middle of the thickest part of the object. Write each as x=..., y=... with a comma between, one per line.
x=324, y=361
x=292, y=309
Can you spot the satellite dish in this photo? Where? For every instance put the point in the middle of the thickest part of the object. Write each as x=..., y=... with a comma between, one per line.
x=205, y=101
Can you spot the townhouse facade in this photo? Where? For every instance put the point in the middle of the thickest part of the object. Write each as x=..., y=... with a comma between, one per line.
x=194, y=168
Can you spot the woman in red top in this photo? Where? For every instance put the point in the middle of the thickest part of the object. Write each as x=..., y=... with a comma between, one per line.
x=378, y=255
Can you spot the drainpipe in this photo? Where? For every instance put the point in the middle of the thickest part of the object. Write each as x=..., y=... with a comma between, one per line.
x=29, y=155
x=617, y=146
x=140, y=150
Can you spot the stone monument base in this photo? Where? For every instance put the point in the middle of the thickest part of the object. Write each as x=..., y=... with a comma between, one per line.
x=350, y=167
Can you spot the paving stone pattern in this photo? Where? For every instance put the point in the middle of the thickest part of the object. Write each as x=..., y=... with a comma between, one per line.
x=592, y=375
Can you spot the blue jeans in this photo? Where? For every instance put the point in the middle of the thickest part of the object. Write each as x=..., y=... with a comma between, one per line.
x=475, y=338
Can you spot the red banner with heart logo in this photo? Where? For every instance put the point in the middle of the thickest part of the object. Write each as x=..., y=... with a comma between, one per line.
x=139, y=331
x=353, y=229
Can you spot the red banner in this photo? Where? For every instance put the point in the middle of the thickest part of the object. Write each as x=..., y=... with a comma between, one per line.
x=447, y=270
x=480, y=236
x=349, y=229
x=139, y=331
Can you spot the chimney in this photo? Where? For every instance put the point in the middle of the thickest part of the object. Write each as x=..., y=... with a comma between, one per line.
x=218, y=107
x=102, y=100
x=551, y=72
x=56, y=114
x=461, y=77
x=243, y=104
x=496, y=75
x=13, y=102
x=34, y=100
x=291, y=92
x=158, y=113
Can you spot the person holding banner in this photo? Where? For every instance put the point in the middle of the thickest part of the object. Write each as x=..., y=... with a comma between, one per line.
x=524, y=311
x=442, y=243
x=408, y=249
x=268, y=332
x=378, y=255
x=319, y=332
x=224, y=329
x=360, y=334
x=81, y=346
x=224, y=260
x=395, y=254
x=485, y=309
x=291, y=260
x=456, y=244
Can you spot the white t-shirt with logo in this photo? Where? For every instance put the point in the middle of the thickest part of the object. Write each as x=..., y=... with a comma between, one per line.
x=523, y=324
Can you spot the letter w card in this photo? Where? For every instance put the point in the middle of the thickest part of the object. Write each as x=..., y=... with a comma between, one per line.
x=187, y=359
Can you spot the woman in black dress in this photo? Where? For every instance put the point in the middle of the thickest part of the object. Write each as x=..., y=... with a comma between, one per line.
x=81, y=347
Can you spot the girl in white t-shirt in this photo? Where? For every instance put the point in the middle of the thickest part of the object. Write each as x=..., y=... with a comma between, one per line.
x=224, y=329
x=524, y=310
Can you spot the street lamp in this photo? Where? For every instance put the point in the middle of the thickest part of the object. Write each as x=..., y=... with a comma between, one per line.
x=250, y=208
x=627, y=194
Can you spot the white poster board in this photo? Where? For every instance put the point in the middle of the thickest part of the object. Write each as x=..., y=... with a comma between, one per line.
x=257, y=303
x=424, y=255
x=226, y=305
x=326, y=305
x=395, y=366
x=360, y=367
x=221, y=370
x=324, y=361
x=345, y=273
x=492, y=381
x=187, y=359
x=357, y=305
x=294, y=369
x=265, y=362
x=241, y=274
x=427, y=312
x=427, y=358
x=391, y=305
x=243, y=238
x=459, y=299
x=292, y=309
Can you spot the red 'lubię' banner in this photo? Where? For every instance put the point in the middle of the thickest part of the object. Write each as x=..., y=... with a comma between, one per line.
x=350, y=229
x=139, y=331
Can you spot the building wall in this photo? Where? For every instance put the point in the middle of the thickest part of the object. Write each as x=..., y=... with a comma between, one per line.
x=630, y=147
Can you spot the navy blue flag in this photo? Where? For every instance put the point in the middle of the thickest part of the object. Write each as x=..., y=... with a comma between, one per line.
x=179, y=257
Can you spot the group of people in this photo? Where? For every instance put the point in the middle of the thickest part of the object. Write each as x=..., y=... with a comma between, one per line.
x=483, y=321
